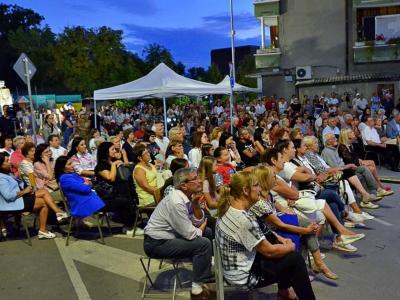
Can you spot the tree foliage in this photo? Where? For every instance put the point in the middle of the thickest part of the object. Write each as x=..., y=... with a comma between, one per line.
x=81, y=60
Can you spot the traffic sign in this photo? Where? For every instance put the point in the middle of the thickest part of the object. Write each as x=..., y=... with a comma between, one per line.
x=19, y=67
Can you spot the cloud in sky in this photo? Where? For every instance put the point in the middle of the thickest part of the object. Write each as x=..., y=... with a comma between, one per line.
x=136, y=7
x=192, y=46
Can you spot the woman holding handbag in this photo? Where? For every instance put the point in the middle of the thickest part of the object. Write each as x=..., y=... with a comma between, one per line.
x=266, y=210
x=116, y=198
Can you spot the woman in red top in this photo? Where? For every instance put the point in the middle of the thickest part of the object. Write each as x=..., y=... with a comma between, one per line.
x=224, y=168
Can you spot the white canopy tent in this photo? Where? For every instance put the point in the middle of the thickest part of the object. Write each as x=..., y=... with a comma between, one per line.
x=237, y=88
x=161, y=82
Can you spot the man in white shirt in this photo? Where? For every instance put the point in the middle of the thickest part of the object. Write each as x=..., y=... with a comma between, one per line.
x=260, y=108
x=55, y=146
x=359, y=103
x=331, y=128
x=373, y=143
x=319, y=121
x=161, y=140
x=178, y=229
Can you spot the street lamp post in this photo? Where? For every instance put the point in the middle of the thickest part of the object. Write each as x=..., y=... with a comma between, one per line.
x=233, y=74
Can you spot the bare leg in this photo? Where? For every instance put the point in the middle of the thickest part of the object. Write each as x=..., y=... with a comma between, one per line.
x=45, y=195
x=354, y=206
x=330, y=216
x=358, y=186
x=41, y=206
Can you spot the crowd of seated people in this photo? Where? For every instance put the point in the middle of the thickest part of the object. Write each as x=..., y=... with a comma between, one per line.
x=274, y=167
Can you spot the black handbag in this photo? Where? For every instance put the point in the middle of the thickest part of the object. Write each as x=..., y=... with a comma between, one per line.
x=124, y=173
x=103, y=189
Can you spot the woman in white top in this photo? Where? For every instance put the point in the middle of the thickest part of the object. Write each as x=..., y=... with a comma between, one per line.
x=215, y=135
x=176, y=150
x=198, y=139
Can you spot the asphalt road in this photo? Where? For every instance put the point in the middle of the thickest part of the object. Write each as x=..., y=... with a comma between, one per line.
x=89, y=270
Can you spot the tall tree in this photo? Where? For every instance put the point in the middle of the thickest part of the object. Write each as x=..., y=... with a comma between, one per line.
x=88, y=59
x=246, y=67
x=213, y=74
x=154, y=54
x=12, y=18
x=197, y=73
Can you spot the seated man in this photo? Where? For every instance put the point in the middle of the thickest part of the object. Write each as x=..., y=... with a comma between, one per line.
x=246, y=148
x=177, y=227
x=331, y=128
x=372, y=142
x=55, y=146
x=393, y=127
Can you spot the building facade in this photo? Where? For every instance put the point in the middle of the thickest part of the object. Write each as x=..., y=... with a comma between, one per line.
x=329, y=46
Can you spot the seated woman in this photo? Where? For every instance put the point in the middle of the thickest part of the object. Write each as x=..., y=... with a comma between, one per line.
x=83, y=201
x=287, y=196
x=349, y=156
x=176, y=164
x=149, y=139
x=320, y=166
x=145, y=177
x=6, y=144
x=176, y=149
x=207, y=172
x=15, y=198
x=198, y=139
x=27, y=173
x=81, y=159
x=265, y=210
x=226, y=140
x=247, y=255
x=16, y=157
x=261, y=140
x=43, y=169
x=127, y=147
x=117, y=141
x=119, y=200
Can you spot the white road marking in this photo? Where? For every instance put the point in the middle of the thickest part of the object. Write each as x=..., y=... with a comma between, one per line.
x=382, y=222
x=75, y=277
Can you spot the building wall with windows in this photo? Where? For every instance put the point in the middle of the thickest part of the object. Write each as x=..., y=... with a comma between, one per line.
x=324, y=35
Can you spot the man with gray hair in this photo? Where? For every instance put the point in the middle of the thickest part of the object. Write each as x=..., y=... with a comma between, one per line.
x=348, y=119
x=178, y=229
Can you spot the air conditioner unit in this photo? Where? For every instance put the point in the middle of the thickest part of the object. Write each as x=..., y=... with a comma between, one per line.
x=303, y=73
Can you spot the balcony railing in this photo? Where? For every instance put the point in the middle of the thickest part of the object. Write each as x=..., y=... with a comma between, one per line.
x=376, y=53
x=268, y=58
x=266, y=8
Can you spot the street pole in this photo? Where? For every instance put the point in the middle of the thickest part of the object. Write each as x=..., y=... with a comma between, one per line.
x=28, y=83
x=233, y=65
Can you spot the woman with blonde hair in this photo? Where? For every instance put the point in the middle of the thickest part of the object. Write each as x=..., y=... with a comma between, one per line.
x=265, y=210
x=251, y=257
x=350, y=156
x=215, y=135
x=207, y=170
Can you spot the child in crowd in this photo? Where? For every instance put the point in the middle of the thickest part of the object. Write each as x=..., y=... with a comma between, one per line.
x=224, y=168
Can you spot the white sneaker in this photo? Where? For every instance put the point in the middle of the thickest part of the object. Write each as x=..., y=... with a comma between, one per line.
x=367, y=216
x=348, y=239
x=354, y=218
x=46, y=235
x=369, y=205
x=62, y=216
x=129, y=232
x=383, y=193
x=342, y=247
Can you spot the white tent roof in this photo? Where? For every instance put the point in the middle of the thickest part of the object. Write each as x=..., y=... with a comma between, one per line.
x=160, y=82
x=238, y=88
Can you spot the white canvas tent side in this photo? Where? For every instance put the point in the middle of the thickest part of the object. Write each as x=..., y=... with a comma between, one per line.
x=237, y=88
x=161, y=82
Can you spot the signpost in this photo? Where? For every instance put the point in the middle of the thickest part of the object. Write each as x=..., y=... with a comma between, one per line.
x=25, y=70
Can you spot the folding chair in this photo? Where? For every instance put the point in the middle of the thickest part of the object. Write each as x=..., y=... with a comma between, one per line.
x=21, y=218
x=368, y=152
x=139, y=211
x=176, y=264
x=99, y=216
x=221, y=285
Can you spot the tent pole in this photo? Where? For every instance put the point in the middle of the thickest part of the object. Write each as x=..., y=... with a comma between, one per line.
x=95, y=113
x=165, y=116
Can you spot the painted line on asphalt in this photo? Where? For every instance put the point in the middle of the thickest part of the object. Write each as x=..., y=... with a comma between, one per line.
x=75, y=277
x=382, y=222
